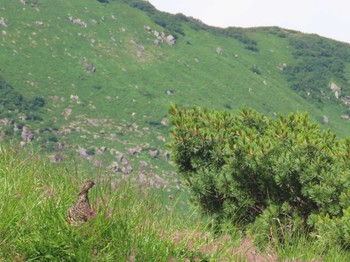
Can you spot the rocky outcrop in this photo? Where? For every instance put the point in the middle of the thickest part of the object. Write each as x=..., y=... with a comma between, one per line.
x=161, y=37
x=39, y=23
x=77, y=21
x=133, y=151
x=153, y=153
x=336, y=89
x=325, y=120
x=3, y=21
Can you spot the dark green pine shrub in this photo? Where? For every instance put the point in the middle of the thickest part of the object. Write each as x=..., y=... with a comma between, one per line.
x=264, y=173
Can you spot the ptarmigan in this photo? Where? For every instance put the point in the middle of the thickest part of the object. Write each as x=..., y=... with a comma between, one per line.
x=82, y=211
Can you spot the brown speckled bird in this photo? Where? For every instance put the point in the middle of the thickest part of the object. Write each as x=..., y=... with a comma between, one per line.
x=82, y=211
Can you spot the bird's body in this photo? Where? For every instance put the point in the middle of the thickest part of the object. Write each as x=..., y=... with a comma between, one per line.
x=81, y=211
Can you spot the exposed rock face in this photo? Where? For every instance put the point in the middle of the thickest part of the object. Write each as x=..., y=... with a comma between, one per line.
x=161, y=37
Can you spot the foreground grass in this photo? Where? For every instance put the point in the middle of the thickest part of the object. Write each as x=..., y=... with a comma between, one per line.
x=132, y=223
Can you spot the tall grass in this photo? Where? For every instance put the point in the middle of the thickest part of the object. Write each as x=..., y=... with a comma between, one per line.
x=132, y=223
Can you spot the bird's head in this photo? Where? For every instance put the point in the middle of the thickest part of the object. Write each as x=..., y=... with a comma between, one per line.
x=87, y=185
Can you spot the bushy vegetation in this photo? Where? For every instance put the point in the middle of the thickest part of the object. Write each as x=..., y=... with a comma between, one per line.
x=319, y=61
x=13, y=102
x=265, y=173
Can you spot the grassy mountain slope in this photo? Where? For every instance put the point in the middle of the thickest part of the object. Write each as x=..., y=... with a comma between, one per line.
x=107, y=83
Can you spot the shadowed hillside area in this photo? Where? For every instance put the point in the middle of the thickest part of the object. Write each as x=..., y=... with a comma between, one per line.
x=92, y=81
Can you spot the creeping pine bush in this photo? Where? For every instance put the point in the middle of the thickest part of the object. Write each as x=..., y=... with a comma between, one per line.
x=265, y=173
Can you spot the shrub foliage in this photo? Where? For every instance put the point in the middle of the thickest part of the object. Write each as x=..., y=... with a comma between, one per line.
x=258, y=171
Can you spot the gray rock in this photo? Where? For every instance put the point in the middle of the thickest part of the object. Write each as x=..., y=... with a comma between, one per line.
x=153, y=153
x=3, y=21
x=133, y=151
x=325, y=120
x=143, y=164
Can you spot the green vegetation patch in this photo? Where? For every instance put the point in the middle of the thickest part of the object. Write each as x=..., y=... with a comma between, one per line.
x=265, y=173
x=319, y=62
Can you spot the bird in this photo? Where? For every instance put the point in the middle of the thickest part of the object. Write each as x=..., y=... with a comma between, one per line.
x=81, y=211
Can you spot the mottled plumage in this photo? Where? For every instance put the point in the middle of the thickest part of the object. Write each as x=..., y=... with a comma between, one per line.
x=81, y=211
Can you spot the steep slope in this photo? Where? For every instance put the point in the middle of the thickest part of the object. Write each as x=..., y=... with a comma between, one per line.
x=96, y=76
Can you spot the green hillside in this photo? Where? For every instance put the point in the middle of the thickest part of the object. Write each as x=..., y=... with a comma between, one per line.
x=96, y=78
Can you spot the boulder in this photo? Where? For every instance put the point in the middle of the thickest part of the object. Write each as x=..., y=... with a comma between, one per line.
x=133, y=151
x=170, y=92
x=115, y=167
x=39, y=23
x=120, y=156
x=346, y=117
x=83, y=153
x=3, y=21
x=143, y=164
x=325, y=120
x=164, y=121
x=170, y=40
x=153, y=153
x=128, y=169
x=335, y=87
